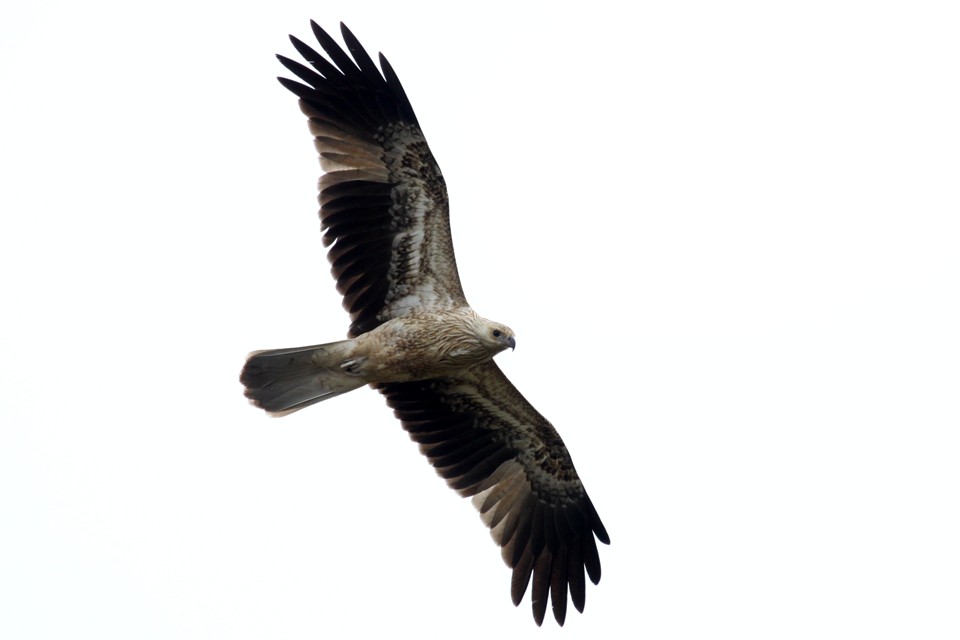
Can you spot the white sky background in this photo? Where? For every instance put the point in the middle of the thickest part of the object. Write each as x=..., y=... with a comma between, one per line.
x=726, y=235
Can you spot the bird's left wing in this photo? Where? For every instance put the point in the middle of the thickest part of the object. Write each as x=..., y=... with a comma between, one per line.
x=383, y=200
x=488, y=442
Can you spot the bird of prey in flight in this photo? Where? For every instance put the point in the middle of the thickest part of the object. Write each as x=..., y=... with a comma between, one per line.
x=414, y=338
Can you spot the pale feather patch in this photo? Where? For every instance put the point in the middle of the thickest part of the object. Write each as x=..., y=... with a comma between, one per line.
x=422, y=272
x=333, y=162
x=513, y=495
x=495, y=487
x=324, y=129
x=424, y=297
x=360, y=154
x=338, y=157
x=347, y=155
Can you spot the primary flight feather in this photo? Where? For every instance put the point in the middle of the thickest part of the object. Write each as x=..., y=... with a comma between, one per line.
x=413, y=337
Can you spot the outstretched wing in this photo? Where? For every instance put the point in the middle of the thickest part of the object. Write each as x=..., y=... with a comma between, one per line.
x=383, y=200
x=491, y=444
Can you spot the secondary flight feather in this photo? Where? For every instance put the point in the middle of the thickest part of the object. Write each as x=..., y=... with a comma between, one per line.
x=413, y=337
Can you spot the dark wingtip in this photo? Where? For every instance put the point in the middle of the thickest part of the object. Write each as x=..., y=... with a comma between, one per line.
x=539, y=612
x=598, y=529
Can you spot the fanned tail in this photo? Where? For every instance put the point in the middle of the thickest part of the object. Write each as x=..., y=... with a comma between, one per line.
x=281, y=381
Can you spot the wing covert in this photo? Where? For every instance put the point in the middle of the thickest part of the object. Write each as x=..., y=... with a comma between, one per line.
x=383, y=200
x=489, y=443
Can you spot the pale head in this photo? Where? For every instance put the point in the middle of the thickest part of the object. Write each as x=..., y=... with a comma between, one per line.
x=494, y=336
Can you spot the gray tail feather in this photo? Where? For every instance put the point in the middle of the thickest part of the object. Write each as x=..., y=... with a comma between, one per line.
x=281, y=381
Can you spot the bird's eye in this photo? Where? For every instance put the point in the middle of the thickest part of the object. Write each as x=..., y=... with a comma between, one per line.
x=496, y=333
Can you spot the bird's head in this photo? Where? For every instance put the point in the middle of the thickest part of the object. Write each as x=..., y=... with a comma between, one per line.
x=495, y=336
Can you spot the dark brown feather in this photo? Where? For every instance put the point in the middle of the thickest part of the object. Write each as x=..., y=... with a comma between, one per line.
x=558, y=585
x=521, y=578
x=575, y=579
x=541, y=586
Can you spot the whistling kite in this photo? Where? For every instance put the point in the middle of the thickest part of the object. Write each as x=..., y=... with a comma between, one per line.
x=413, y=337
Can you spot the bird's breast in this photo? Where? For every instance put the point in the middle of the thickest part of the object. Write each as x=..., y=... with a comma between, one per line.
x=419, y=348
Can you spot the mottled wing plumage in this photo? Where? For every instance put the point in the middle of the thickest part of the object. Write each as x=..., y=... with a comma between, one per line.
x=383, y=200
x=488, y=442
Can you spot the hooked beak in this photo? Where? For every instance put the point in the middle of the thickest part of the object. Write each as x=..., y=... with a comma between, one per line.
x=512, y=343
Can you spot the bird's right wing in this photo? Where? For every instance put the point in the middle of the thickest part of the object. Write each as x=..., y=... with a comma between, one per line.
x=383, y=200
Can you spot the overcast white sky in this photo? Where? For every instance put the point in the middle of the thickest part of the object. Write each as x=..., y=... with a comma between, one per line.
x=725, y=233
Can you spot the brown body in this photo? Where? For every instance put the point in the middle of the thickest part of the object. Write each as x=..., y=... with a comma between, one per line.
x=418, y=346
x=428, y=344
